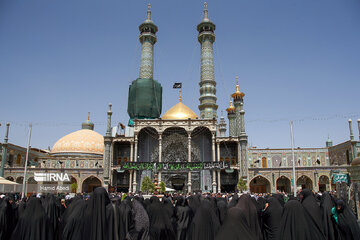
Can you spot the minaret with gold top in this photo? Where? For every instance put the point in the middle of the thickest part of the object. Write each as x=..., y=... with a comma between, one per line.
x=239, y=109
x=232, y=119
x=240, y=131
x=206, y=37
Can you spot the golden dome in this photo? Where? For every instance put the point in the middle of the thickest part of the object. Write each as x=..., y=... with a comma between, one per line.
x=231, y=108
x=179, y=111
x=237, y=94
x=84, y=141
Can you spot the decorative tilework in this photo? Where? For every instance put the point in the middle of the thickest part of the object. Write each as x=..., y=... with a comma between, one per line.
x=146, y=62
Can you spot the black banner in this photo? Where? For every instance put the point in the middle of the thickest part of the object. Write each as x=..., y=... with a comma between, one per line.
x=177, y=85
x=173, y=166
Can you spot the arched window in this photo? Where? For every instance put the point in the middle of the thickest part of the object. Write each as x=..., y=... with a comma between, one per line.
x=264, y=162
x=18, y=160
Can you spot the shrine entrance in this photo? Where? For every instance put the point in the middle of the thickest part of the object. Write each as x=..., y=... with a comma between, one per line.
x=260, y=185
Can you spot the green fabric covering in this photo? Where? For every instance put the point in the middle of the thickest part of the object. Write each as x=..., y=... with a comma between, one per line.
x=145, y=99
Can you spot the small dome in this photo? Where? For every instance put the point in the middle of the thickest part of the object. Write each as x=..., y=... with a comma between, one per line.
x=231, y=108
x=179, y=111
x=237, y=94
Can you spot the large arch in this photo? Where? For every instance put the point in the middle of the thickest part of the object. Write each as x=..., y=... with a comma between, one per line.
x=324, y=183
x=260, y=184
x=90, y=183
x=304, y=182
x=148, y=141
x=174, y=145
x=283, y=184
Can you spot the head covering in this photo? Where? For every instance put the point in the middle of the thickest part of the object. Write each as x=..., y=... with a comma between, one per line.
x=184, y=217
x=223, y=208
x=124, y=218
x=271, y=219
x=7, y=221
x=250, y=212
x=326, y=205
x=52, y=210
x=347, y=224
x=160, y=222
x=74, y=224
x=293, y=224
x=99, y=216
x=205, y=223
x=34, y=223
x=312, y=214
x=234, y=200
x=141, y=222
x=235, y=226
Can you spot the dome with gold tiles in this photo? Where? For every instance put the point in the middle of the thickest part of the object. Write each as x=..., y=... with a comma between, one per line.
x=85, y=141
x=179, y=111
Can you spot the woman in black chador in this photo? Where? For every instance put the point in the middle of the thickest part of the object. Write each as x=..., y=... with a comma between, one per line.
x=293, y=224
x=33, y=223
x=160, y=222
x=205, y=223
x=184, y=216
x=7, y=221
x=312, y=214
x=271, y=218
x=250, y=212
x=346, y=222
x=326, y=204
x=99, y=216
x=74, y=220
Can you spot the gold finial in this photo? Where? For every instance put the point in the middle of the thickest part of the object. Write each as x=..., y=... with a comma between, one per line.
x=237, y=94
x=149, y=12
x=205, y=11
x=231, y=108
x=180, y=95
x=88, y=116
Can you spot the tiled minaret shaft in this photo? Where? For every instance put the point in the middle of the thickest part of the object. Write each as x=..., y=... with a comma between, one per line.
x=206, y=37
x=147, y=39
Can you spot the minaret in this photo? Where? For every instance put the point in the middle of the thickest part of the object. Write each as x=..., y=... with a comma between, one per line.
x=4, y=150
x=206, y=37
x=147, y=39
x=239, y=109
x=107, y=153
x=232, y=119
x=329, y=142
x=222, y=126
x=145, y=93
x=240, y=131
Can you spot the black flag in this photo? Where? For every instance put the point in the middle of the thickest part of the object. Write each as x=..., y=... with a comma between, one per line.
x=177, y=85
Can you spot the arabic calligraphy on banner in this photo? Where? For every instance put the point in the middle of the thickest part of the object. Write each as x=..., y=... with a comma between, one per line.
x=340, y=178
x=174, y=166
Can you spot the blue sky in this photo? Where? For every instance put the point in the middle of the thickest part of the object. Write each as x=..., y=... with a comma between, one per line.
x=295, y=59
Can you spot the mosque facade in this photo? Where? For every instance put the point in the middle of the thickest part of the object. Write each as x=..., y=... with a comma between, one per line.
x=188, y=152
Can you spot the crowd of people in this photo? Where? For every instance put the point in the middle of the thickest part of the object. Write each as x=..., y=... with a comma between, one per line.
x=103, y=216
